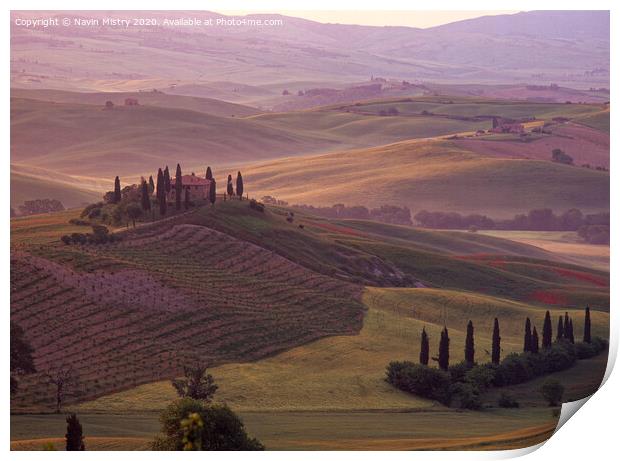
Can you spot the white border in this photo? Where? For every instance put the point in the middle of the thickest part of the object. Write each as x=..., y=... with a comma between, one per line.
x=591, y=435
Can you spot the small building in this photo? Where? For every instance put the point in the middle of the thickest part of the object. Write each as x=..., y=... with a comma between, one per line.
x=131, y=102
x=198, y=188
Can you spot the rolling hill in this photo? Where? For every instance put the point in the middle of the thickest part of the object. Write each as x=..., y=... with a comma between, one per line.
x=431, y=175
x=30, y=184
x=497, y=49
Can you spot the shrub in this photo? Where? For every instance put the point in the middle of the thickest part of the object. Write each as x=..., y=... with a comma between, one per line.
x=585, y=350
x=79, y=222
x=221, y=429
x=76, y=238
x=421, y=380
x=66, y=239
x=507, y=401
x=514, y=369
x=458, y=372
x=552, y=391
x=468, y=396
x=481, y=376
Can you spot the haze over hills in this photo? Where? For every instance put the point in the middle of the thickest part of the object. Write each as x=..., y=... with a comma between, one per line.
x=574, y=52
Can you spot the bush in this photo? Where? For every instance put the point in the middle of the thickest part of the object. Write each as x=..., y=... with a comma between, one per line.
x=553, y=392
x=458, y=371
x=66, y=239
x=221, y=429
x=468, y=396
x=427, y=382
x=514, y=369
x=79, y=222
x=507, y=401
x=481, y=376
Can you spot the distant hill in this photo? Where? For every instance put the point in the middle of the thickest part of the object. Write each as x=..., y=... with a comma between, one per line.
x=146, y=98
x=28, y=186
x=570, y=48
x=436, y=175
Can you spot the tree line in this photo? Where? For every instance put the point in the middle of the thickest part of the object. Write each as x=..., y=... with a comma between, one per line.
x=389, y=214
x=467, y=380
x=542, y=219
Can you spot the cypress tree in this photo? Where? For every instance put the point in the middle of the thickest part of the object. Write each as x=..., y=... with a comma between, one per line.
x=209, y=174
x=229, y=187
x=239, y=185
x=74, y=438
x=146, y=196
x=167, y=185
x=444, y=350
x=566, y=320
x=527, y=338
x=496, y=347
x=161, y=193
x=212, y=192
x=117, y=190
x=186, y=201
x=547, y=332
x=469, y=344
x=587, y=327
x=560, y=333
x=151, y=185
x=571, y=335
x=178, y=186
x=424, y=349
x=534, y=346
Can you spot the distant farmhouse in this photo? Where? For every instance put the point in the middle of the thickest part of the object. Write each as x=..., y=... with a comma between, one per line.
x=501, y=125
x=198, y=188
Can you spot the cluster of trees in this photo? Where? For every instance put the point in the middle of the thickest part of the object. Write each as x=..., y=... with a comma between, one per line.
x=541, y=219
x=466, y=381
x=389, y=214
x=39, y=206
x=559, y=156
x=99, y=235
x=194, y=423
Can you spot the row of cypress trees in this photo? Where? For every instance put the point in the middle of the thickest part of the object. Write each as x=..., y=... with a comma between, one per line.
x=530, y=341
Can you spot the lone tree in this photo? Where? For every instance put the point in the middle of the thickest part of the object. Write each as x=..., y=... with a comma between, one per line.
x=197, y=383
x=469, y=344
x=560, y=333
x=21, y=356
x=134, y=211
x=209, y=174
x=587, y=327
x=178, y=186
x=444, y=350
x=151, y=185
x=527, y=337
x=212, y=192
x=167, y=186
x=229, y=187
x=534, y=347
x=547, y=332
x=145, y=197
x=496, y=346
x=75, y=440
x=63, y=379
x=239, y=185
x=117, y=190
x=186, y=201
x=424, y=348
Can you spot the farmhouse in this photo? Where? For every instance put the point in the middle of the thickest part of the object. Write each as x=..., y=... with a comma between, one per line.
x=198, y=188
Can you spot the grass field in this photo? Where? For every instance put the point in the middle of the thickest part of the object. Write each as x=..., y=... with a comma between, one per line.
x=431, y=175
x=347, y=372
x=496, y=429
x=567, y=245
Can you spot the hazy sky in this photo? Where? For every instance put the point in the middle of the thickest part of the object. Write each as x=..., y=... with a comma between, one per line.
x=385, y=18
